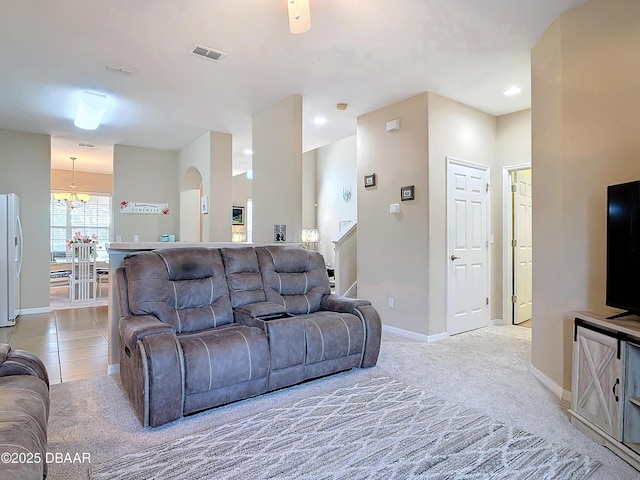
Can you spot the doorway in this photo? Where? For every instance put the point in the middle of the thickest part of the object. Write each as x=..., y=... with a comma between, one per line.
x=468, y=271
x=517, y=245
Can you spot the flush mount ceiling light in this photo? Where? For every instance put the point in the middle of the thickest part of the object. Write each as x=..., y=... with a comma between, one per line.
x=320, y=120
x=299, y=16
x=91, y=108
x=511, y=91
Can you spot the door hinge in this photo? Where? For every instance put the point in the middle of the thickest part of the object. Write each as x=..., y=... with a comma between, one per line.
x=514, y=188
x=514, y=243
x=488, y=187
x=487, y=300
x=514, y=298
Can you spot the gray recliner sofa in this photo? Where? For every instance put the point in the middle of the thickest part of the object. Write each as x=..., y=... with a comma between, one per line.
x=24, y=413
x=202, y=327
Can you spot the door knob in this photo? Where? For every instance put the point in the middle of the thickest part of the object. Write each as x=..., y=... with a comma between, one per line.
x=453, y=257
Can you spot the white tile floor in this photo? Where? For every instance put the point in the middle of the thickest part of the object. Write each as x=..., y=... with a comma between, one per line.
x=72, y=343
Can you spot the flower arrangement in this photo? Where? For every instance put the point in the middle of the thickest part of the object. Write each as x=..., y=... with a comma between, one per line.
x=78, y=237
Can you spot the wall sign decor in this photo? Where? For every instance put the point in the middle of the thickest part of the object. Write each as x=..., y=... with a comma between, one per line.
x=370, y=180
x=407, y=193
x=237, y=216
x=144, y=208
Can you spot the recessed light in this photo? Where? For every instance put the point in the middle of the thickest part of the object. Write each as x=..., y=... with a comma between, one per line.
x=247, y=151
x=320, y=120
x=511, y=91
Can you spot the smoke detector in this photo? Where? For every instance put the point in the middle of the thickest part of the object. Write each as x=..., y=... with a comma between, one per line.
x=207, y=52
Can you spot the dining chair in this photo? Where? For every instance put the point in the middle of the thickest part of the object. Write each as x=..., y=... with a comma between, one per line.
x=83, y=281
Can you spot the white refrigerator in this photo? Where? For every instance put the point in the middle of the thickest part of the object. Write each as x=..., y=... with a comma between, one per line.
x=10, y=258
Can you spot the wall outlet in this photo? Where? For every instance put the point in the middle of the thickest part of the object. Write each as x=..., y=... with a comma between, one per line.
x=390, y=302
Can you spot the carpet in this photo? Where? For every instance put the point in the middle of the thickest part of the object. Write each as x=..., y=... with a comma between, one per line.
x=379, y=428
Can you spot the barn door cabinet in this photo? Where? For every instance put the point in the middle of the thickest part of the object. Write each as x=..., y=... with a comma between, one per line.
x=606, y=382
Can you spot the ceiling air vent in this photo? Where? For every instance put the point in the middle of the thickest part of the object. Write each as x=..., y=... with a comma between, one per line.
x=208, y=52
x=113, y=68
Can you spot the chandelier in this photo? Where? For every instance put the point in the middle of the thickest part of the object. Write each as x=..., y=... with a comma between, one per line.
x=72, y=197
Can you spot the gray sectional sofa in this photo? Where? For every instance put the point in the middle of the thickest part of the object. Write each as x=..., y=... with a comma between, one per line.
x=202, y=327
x=24, y=413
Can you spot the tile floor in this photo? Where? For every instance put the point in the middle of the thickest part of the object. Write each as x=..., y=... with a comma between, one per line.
x=72, y=343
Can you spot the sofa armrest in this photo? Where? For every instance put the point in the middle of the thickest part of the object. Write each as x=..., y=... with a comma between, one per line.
x=370, y=320
x=251, y=314
x=134, y=328
x=20, y=362
x=338, y=303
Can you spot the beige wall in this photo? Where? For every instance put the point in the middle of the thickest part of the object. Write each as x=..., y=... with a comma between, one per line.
x=584, y=137
x=25, y=162
x=145, y=175
x=458, y=131
x=393, y=249
x=309, y=187
x=277, y=170
x=87, y=182
x=336, y=170
x=211, y=155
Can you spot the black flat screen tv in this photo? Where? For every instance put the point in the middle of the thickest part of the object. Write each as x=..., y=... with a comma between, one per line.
x=623, y=247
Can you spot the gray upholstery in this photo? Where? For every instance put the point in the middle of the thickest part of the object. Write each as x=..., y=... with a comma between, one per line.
x=185, y=288
x=24, y=413
x=203, y=327
x=293, y=277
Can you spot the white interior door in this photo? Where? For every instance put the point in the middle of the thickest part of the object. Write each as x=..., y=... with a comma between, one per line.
x=468, y=247
x=522, y=247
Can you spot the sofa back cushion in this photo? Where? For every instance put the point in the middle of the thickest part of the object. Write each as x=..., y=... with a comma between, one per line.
x=243, y=275
x=184, y=287
x=293, y=277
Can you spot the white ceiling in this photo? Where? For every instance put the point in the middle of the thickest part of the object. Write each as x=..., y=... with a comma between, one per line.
x=367, y=53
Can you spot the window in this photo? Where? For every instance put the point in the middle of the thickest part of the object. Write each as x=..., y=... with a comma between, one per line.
x=91, y=218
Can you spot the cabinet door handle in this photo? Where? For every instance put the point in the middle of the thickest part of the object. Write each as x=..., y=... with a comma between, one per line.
x=613, y=390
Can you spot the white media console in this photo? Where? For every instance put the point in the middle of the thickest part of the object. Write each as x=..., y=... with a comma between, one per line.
x=606, y=382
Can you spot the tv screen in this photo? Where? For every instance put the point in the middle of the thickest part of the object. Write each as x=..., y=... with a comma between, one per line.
x=623, y=247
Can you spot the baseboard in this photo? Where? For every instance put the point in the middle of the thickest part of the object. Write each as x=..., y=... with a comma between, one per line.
x=556, y=389
x=112, y=369
x=415, y=336
x=33, y=311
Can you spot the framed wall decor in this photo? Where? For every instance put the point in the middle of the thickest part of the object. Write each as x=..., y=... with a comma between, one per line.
x=407, y=193
x=237, y=216
x=370, y=180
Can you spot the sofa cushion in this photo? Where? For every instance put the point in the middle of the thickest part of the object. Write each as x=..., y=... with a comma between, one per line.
x=225, y=356
x=293, y=277
x=184, y=287
x=23, y=424
x=243, y=276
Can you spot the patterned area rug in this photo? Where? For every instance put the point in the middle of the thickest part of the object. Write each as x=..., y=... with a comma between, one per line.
x=375, y=429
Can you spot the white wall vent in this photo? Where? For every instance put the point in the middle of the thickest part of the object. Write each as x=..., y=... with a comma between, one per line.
x=207, y=52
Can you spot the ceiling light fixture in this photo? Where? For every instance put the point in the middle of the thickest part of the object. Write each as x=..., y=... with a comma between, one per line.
x=91, y=108
x=72, y=197
x=320, y=120
x=511, y=91
x=299, y=16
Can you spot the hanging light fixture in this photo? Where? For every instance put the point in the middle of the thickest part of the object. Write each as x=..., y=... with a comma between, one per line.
x=299, y=16
x=72, y=197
